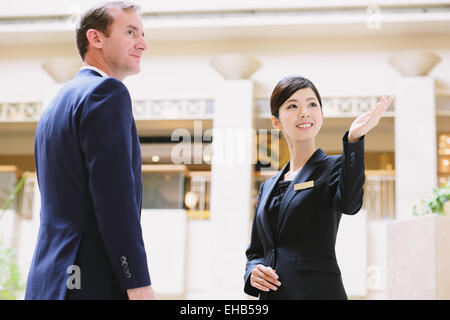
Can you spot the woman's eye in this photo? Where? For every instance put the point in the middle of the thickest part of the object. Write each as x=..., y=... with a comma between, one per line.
x=291, y=106
x=313, y=104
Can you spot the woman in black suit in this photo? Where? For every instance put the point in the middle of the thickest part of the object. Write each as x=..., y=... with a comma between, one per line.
x=292, y=248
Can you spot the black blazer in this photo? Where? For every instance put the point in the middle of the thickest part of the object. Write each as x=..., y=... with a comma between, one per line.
x=302, y=250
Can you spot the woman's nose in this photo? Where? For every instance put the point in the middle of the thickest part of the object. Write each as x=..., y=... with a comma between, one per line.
x=304, y=112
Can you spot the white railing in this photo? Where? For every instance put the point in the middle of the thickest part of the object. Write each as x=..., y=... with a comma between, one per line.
x=379, y=194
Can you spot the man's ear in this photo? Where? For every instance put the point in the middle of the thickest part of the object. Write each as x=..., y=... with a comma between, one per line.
x=95, y=38
x=275, y=122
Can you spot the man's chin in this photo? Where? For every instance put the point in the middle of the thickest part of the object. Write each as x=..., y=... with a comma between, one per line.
x=136, y=70
x=133, y=71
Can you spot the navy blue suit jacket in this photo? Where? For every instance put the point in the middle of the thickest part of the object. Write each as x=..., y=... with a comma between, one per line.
x=88, y=166
x=302, y=250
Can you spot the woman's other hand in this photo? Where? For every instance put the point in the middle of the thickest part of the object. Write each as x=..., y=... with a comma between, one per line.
x=264, y=278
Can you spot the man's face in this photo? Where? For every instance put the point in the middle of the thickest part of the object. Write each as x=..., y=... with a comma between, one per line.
x=123, y=48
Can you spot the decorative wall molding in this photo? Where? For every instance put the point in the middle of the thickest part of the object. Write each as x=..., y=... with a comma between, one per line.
x=173, y=109
x=191, y=109
x=142, y=110
x=334, y=107
x=20, y=111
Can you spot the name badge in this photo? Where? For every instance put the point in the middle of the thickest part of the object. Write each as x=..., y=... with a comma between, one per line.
x=304, y=185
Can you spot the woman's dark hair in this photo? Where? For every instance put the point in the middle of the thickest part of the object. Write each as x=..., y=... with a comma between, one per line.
x=100, y=19
x=286, y=88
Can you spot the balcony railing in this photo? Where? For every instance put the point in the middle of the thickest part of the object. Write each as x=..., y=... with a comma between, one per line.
x=172, y=183
x=379, y=194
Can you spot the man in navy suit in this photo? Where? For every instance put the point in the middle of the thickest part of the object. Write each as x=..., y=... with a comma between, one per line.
x=88, y=165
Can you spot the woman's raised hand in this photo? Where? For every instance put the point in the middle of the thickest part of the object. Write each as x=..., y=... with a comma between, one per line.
x=369, y=120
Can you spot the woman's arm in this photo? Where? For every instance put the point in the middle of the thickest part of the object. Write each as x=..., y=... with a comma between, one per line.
x=254, y=253
x=349, y=173
x=348, y=177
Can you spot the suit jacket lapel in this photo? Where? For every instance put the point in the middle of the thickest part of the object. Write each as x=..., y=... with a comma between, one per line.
x=303, y=176
x=262, y=209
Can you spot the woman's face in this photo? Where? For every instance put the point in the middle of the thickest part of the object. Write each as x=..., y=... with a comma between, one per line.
x=300, y=117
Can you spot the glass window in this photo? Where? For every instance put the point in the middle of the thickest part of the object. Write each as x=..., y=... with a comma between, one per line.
x=163, y=190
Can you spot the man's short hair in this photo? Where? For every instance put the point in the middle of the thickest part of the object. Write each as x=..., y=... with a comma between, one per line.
x=100, y=19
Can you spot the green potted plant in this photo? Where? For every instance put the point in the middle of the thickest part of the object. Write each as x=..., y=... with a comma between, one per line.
x=10, y=280
x=438, y=202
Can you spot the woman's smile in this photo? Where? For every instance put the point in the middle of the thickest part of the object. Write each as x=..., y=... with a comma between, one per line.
x=305, y=126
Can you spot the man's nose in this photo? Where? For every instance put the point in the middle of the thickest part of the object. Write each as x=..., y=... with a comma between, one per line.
x=141, y=44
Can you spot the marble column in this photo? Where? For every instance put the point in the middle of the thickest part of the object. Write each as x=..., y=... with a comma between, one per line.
x=231, y=175
x=418, y=259
x=415, y=129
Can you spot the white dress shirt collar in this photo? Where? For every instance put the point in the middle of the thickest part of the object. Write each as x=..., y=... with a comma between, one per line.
x=291, y=175
x=103, y=73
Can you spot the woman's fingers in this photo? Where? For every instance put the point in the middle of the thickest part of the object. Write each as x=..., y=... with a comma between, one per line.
x=260, y=287
x=267, y=273
x=384, y=107
x=261, y=275
x=264, y=278
x=384, y=103
x=380, y=108
x=367, y=121
x=265, y=284
x=388, y=102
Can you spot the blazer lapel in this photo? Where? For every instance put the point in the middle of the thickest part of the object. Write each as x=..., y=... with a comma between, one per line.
x=303, y=176
x=262, y=211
